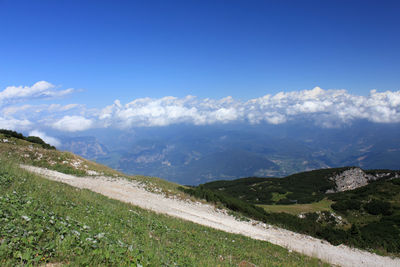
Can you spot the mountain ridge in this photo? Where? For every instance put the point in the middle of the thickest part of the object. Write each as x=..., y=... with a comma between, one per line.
x=198, y=154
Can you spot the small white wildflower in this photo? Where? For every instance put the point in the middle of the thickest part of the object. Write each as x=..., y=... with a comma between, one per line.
x=75, y=232
x=100, y=235
x=26, y=218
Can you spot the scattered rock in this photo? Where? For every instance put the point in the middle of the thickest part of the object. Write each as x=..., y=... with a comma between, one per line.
x=354, y=178
x=91, y=172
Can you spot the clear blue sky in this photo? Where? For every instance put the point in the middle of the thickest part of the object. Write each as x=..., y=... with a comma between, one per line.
x=130, y=49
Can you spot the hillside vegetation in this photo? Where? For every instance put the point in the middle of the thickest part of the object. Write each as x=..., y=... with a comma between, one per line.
x=367, y=217
x=22, y=150
x=304, y=187
x=42, y=221
x=31, y=139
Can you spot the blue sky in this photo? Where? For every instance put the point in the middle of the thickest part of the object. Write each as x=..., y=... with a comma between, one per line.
x=130, y=49
x=125, y=50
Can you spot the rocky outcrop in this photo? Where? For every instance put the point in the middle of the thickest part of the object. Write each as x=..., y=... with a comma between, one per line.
x=354, y=178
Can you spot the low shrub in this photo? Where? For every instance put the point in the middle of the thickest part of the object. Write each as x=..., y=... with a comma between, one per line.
x=376, y=207
x=345, y=205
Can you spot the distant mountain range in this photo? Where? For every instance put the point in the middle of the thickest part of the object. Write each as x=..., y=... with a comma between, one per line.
x=199, y=154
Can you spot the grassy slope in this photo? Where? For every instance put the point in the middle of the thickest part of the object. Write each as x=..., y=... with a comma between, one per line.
x=44, y=221
x=21, y=151
x=296, y=209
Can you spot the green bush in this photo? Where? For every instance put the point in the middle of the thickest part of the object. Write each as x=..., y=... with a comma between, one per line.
x=381, y=234
x=345, y=205
x=9, y=133
x=376, y=207
x=396, y=181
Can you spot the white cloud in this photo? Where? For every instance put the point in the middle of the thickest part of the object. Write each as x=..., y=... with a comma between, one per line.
x=325, y=107
x=59, y=108
x=41, y=89
x=15, y=109
x=14, y=124
x=40, y=110
x=151, y=112
x=223, y=115
x=48, y=139
x=328, y=108
x=73, y=124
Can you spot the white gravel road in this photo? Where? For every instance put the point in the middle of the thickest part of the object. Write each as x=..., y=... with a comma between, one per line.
x=132, y=192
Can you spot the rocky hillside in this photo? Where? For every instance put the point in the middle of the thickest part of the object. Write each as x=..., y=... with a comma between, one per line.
x=355, y=177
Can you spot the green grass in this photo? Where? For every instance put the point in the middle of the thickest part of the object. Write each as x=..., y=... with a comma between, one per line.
x=42, y=221
x=276, y=196
x=24, y=152
x=296, y=209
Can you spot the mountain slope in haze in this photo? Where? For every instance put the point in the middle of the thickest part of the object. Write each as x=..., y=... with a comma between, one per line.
x=199, y=154
x=86, y=146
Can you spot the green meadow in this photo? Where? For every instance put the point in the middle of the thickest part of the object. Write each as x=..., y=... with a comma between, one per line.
x=296, y=209
x=42, y=221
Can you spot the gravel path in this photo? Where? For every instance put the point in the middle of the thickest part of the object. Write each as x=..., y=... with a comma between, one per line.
x=132, y=192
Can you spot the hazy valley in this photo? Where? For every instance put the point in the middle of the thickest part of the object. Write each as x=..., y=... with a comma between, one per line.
x=196, y=154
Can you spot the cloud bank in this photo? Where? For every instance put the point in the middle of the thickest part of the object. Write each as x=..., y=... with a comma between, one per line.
x=73, y=124
x=327, y=108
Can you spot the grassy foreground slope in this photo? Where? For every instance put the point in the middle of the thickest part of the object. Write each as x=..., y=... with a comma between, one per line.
x=42, y=221
x=22, y=151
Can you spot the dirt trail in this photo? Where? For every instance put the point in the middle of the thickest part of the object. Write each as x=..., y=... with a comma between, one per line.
x=132, y=192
